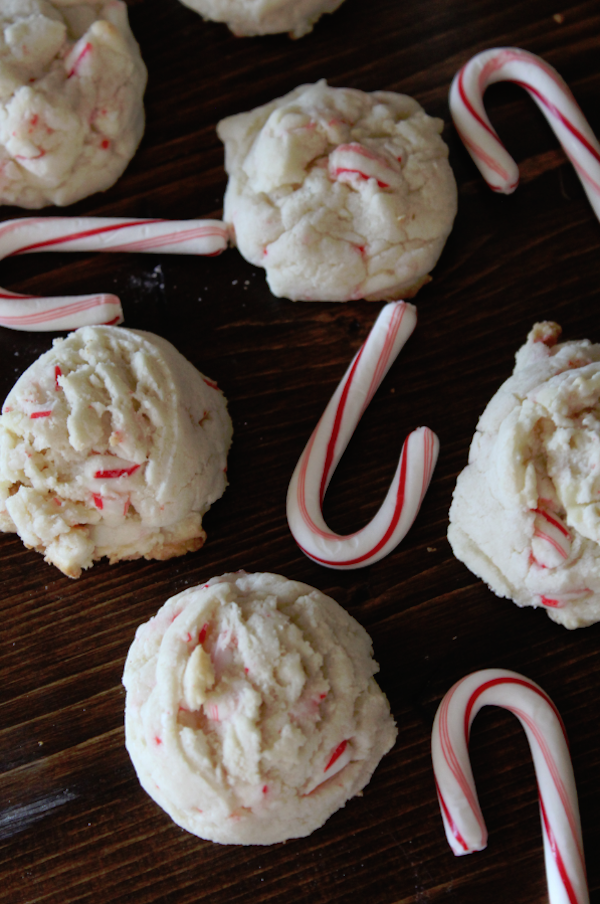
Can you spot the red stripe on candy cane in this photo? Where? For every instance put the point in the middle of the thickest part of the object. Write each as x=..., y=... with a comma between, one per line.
x=449, y=821
x=463, y=821
x=551, y=540
x=551, y=94
x=562, y=869
x=33, y=234
x=329, y=467
x=48, y=244
x=328, y=442
x=553, y=520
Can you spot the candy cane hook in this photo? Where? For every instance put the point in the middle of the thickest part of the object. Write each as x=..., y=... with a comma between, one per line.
x=553, y=97
x=24, y=236
x=463, y=820
x=329, y=441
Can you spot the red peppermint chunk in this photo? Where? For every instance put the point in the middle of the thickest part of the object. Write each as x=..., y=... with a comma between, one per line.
x=341, y=171
x=336, y=755
x=85, y=50
x=203, y=632
x=550, y=603
x=354, y=161
x=115, y=472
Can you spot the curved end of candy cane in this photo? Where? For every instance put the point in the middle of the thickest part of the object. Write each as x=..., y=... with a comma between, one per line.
x=553, y=97
x=477, y=132
x=385, y=530
x=463, y=822
x=33, y=314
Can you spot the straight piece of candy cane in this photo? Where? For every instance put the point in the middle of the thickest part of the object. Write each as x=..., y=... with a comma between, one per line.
x=31, y=234
x=461, y=814
x=328, y=442
x=30, y=313
x=552, y=95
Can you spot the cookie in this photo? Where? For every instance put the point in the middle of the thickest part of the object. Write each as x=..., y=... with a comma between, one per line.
x=252, y=713
x=71, y=87
x=264, y=17
x=339, y=194
x=111, y=444
x=525, y=515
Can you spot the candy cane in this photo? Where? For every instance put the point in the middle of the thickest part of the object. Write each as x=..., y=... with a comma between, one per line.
x=551, y=540
x=24, y=236
x=463, y=821
x=553, y=97
x=328, y=442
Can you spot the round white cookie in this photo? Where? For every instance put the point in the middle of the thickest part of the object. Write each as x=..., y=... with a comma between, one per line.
x=525, y=515
x=339, y=194
x=71, y=87
x=264, y=17
x=111, y=444
x=252, y=713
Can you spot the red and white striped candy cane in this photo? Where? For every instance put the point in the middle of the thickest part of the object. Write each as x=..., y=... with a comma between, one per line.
x=24, y=236
x=328, y=442
x=463, y=820
x=553, y=97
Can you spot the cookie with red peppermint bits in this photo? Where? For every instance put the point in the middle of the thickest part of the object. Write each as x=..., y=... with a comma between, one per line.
x=265, y=17
x=111, y=444
x=71, y=87
x=339, y=194
x=525, y=515
x=251, y=712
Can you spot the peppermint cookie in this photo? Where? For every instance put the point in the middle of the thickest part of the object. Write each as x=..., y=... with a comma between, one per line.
x=252, y=713
x=111, y=444
x=71, y=87
x=339, y=194
x=525, y=515
x=264, y=17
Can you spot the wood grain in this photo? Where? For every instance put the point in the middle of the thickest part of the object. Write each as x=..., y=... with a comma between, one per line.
x=74, y=824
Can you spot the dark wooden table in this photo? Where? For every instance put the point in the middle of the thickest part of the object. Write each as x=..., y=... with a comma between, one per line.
x=75, y=825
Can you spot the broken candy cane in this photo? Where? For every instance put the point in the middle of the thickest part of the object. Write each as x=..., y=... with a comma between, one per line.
x=551, y=541
x=463, y=820
x=553, y=97
x=349, y=162
x=329, y=441
x=24, y=236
